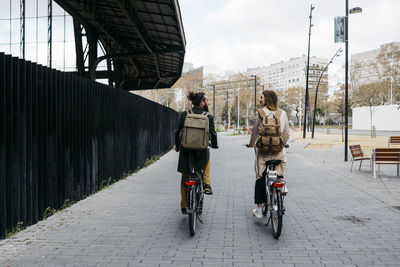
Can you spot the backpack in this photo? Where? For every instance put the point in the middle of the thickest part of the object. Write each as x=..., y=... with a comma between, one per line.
x=195, y=132
x=269, y=134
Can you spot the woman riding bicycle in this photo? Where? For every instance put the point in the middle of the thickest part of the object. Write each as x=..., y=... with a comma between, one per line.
x=269, y=101
x=200, y=105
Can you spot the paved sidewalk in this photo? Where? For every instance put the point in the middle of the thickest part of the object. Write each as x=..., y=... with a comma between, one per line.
x=333, y=218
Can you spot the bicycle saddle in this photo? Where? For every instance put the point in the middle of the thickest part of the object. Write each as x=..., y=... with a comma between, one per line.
x=274, y=162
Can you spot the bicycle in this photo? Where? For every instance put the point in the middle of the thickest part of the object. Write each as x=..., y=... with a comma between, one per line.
x=275, y=194
x=195, y=195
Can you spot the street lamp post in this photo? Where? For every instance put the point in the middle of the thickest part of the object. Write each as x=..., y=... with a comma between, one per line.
x=316, y=90
x=255, y=93
x=308, y=64
x=346, y=85
x=214, y=101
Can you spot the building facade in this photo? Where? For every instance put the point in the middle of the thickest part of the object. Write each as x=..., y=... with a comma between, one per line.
x=364, y=67
x=292, y=73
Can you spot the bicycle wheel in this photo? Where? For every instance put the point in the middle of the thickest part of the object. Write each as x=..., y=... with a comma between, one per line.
x=200, y=198
x=276, y=216
x=193, y=214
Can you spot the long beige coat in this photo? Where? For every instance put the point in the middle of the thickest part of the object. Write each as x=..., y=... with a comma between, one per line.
x=261, y=157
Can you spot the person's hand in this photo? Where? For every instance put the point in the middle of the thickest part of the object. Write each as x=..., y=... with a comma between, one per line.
x=176, y=148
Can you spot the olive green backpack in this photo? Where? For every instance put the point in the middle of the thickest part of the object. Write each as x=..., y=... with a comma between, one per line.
x=195, y=132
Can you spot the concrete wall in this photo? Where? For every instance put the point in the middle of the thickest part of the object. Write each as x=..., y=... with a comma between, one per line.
x=384, y=118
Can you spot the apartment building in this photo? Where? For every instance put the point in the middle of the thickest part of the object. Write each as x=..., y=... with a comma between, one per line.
x=364, y=65
x=292, y=73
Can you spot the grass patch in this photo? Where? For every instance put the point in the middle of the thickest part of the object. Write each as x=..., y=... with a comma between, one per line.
x=48, y=212
x=150, y=161
x=106, y=183
x=20, y=226
x=67, y=203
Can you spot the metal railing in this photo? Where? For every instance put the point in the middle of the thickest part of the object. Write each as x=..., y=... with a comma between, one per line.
x=62, y=135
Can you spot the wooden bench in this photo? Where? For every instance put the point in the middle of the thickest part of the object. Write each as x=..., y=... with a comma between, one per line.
x=358, y=155
x=385, y=156
x=394, y=140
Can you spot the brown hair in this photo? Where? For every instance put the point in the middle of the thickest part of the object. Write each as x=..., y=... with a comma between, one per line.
x=196, y=98
x=270, y=100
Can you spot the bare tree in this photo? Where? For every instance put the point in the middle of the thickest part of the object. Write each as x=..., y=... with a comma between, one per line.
x=370, y=95
x=291, y=101
x=388, y=69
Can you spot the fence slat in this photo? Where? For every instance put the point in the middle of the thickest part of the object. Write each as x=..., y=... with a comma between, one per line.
x=22, y=140
x=3, y=213
x=29, y=151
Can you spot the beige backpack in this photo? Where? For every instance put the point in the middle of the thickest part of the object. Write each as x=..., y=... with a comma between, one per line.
x=269, y=134
x=195, y=132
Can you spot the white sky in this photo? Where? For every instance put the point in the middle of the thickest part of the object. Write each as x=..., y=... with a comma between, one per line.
x=232, y=35
x=237, y=34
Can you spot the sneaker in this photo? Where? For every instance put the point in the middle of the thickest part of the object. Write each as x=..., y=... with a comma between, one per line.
x=183, y=211
x=258, y=213
x=207, y=189
x=284, y=190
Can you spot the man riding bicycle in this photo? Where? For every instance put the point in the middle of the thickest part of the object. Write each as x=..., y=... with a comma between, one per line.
x=202, y=156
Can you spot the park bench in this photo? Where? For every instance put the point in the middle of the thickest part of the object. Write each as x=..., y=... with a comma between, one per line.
x=385, y=156
x=358, y=155
x=394, y=140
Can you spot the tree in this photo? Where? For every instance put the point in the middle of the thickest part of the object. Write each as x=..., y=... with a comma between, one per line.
x=291, y=100
x=355, y=76
x=370, y=95
x=388, y=69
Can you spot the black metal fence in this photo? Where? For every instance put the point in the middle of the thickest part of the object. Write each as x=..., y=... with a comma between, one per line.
x=62, y=135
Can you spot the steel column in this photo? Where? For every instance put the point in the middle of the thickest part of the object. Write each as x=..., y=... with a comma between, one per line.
x=49, y=31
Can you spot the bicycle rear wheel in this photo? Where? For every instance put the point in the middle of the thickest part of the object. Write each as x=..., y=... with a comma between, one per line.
x=193, y=214
x=276, y=215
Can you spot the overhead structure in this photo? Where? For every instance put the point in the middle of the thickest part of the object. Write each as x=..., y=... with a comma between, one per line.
x=143, y=41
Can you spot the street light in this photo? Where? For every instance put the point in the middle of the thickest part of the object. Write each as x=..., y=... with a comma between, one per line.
x=316, y=90
x=355, y=10
x=255, y=93
x=346, y=85
x=308, y=65
x=214, y=100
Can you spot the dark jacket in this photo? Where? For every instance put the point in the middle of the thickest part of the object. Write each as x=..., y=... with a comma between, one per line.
x=201, y=156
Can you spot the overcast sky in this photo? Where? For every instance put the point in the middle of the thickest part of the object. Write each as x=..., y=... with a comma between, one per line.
x=233, y=35
x=237, y=34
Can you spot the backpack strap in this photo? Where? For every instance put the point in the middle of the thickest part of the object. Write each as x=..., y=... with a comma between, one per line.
x=262, y=113
x=278, y=113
